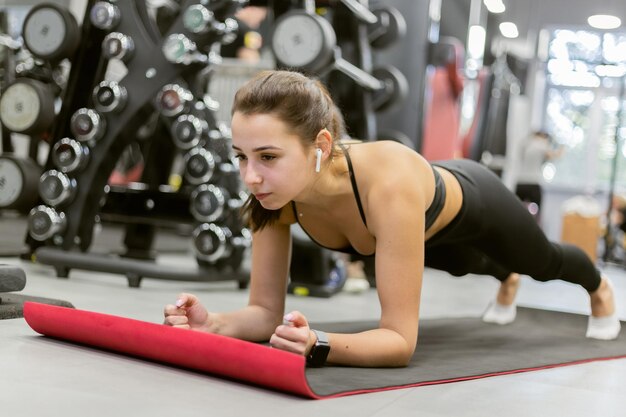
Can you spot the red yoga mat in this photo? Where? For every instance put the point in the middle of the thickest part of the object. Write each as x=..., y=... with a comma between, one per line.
x=211, y=353
x=450, y=350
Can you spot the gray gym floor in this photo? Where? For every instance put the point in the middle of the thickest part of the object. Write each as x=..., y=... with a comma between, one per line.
x=42, y=377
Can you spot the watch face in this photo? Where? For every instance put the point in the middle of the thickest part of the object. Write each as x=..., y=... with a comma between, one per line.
x=20, y=107
x=11, y=182
x=45, y=32
x=299, y=40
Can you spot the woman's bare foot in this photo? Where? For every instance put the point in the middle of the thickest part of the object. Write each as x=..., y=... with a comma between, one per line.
x=508, y=290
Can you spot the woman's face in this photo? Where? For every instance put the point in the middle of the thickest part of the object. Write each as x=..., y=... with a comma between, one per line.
x=273, y=163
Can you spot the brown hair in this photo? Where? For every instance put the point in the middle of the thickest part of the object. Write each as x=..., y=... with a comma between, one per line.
x=303, y=104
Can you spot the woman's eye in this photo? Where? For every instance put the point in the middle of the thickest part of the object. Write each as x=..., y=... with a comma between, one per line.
x=241, y=157
x=268, y=157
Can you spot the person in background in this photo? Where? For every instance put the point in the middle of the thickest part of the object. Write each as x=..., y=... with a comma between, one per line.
x=536, y=150
x=247, y=45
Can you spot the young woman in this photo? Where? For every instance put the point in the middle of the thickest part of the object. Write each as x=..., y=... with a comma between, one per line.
x=380, y=199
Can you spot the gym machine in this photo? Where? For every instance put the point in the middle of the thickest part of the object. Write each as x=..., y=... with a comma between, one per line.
x=161, y=103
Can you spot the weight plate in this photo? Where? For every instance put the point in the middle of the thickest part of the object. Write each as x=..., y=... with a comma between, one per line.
x=395, y=88
x=50, y=32
x=389, y=28
x=11, y=182
x=303, y=40
x=27, y=106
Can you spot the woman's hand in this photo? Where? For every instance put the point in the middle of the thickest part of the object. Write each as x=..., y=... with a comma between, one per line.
x=293, y=335
x=187, y=313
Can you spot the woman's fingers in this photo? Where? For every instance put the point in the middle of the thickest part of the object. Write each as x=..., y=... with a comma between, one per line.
x=293, y=335
x=281, y=343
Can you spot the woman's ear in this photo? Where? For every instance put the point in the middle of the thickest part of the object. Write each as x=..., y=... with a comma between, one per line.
x=324, y=141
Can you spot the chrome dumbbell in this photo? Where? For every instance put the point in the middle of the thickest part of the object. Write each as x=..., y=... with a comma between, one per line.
x=45, y=222
x=210, y=202
x=118, y=45
x=213, y=242
x=173, y=99
x=199, y=166
x=188, y=130
x=109, y=96
x=87, y=124
x=68, y=155
x=56, y=188
x=104, y=15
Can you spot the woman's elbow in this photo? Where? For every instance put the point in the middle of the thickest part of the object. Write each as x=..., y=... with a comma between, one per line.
x=403, y=358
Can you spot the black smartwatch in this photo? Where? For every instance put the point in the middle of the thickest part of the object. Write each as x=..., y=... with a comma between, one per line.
x=319, y=351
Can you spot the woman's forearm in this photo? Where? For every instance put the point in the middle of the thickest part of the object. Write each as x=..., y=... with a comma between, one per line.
x=372, y=348
x=253, y=323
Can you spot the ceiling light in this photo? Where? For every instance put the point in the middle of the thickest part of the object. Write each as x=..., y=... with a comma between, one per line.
x=494, y=6
x=476, y=42
x=509, y=30
x=610, y=71
x=604, y=21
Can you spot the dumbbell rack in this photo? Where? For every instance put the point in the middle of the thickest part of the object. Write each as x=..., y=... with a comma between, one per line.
x=156, y=73
x=341, y=55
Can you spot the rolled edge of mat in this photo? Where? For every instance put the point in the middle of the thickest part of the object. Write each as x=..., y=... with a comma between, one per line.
x=12, y=278
x=12, y=305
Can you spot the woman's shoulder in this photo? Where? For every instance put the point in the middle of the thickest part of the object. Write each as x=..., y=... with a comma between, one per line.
x=393, y=179
x=387, y=156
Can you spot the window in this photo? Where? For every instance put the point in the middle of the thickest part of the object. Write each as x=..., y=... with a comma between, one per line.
x=584, y=76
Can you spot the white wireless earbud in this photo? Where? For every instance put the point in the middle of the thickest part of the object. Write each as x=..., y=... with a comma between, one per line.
x=318, y=160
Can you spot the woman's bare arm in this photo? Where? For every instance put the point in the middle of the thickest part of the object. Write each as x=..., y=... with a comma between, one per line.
x=399, y=227
x=271, y=250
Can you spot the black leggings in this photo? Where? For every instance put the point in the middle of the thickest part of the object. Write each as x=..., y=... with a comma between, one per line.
x=495, y=235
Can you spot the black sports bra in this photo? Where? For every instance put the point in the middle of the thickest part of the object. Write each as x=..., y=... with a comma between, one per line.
x=431, y=213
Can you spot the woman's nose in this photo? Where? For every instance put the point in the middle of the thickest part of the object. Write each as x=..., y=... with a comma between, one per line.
x=250, y=175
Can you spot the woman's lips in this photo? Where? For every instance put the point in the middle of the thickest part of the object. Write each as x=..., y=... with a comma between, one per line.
x=261, y=196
